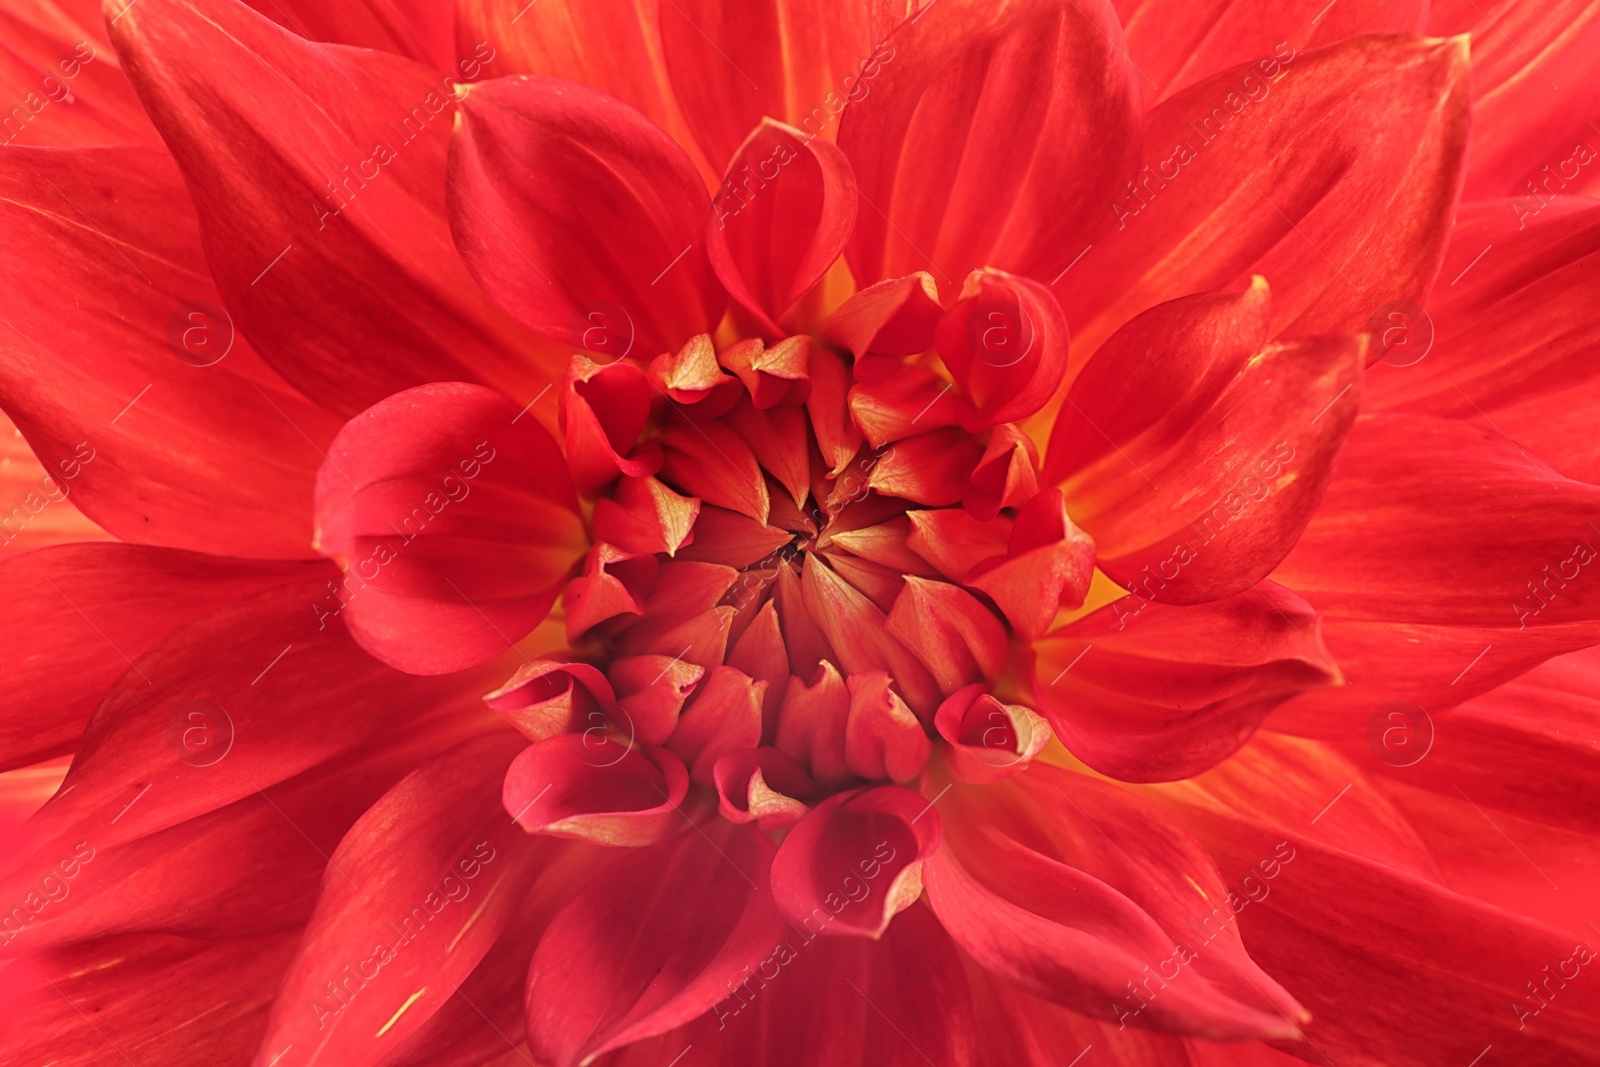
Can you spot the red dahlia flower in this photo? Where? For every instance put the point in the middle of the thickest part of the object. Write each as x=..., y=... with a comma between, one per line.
x=799, y=532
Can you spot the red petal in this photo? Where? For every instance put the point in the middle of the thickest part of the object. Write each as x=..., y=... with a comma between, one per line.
x=651, y=691
x=956, y=637
x=593, y=788
x=899, y=1001
x=1325, y=925
x=930, y=468
x=910, y=401
x=610, y=45
x=1196, y=463
x=545, y=698
x=63, y=82
x=733, y=62
x=725, y=716
x=1420, y=492
x=613, y=583
x=525, y=151
x=813, y=722
x=413, y=28
x=106, y=390
x=712, y=462
x=643, y=515
x=1096, y=909
x=1534, y=85
x=988, y=740
x=771, y=375
x=1176, y=44
x=761, y=784
x=855, y=861
x=836, y=433
x=1048, y=564
x=603, y=409
x=692, y=375
x=778, y=438
x=1145, y=691
x=1528, y=261
x=1005, y=343
x=1371, y=130
x=32, y=522
x=76, y=611
x=1006, y=477
x=318, y=173
x=883, y=739
x=474, y=564
x=780, y=219
x=430, y=877
x=129, y=984
x=858, y=632
x=1032, y=106
x=894, y=317
x=257, y=671
x=626, y=959
x=955, y=542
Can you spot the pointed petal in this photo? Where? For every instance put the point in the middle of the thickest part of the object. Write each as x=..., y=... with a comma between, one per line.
x=1372, y=129
x=1196, y=462
x=318, y=173
x=392, y=936
x=1030, y=104
x=125, y=374
x=1048, y=564
x=1005, y=343
x=75, y=612
x=779, y=220
x=1108, y=901
x=1145, y=691
x=524, y=152
x=883, y=739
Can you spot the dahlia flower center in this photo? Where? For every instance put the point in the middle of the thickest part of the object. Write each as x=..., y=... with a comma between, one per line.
x=801, y=580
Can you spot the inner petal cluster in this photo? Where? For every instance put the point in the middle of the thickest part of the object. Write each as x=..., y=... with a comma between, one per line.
x=786, y=594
